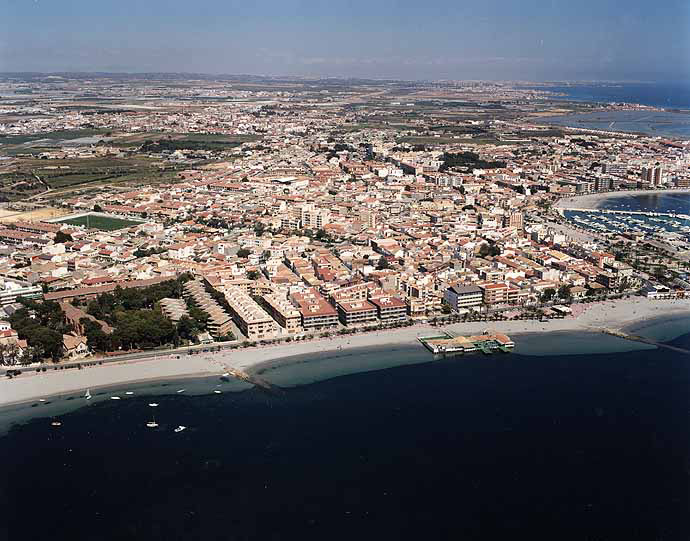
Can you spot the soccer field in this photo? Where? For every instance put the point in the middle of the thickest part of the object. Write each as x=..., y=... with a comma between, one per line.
x=104, y=223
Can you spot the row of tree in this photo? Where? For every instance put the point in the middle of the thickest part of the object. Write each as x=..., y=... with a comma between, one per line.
x=42, y=325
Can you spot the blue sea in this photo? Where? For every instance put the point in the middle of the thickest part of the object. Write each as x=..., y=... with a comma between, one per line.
x=528, y=445
x=664, y=95
x=674, y=122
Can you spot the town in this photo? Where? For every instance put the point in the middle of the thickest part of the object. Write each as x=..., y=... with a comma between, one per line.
x=141, y=214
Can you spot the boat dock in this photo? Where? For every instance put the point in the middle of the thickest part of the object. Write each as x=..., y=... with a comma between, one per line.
x=487, y=343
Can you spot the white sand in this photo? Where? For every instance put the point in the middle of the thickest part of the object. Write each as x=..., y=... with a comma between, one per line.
x=32, y=385
x=595, y=200
x=593, y=317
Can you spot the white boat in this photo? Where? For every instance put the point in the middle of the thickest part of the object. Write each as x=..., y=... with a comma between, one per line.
x=87, y=395
x=153, y=404
x=180, y=391
x=180, y=428
x=114, y=398
x=217, y=391
x=129, y=393
x=152, y=424
x=56, y=423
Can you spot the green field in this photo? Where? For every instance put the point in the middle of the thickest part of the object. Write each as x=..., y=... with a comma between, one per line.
x=104, y=223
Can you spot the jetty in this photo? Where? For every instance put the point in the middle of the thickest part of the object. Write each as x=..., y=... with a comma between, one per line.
x=254, y=380
x=643, y=340
x=487, y=343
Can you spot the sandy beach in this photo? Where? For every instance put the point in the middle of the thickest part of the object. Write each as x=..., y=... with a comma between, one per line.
x=595, y=200
x=621, y=314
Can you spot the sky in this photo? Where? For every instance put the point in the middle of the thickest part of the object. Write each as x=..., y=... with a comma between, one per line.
x=535, y=40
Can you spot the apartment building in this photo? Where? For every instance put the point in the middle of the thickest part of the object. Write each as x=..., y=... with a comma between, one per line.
x=283, y=312
x=463, y=297
x=254, y=323
x=389, y=309
x=174, y=309
x=501, y=293
x=315, y=311
x=356, y=312
x=219, y=322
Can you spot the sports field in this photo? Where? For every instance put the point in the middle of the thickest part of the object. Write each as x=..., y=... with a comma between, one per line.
x=96, y=221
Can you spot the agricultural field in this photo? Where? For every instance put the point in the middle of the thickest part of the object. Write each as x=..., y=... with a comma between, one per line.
x=33, y=176
x=216, y=140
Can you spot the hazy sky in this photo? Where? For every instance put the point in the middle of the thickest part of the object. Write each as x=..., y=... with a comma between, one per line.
x=421, y=39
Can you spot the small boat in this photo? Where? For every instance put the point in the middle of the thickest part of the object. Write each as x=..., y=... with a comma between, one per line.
x=41, y=399
x=180, y=428
x=180, y=391
x=226, y=374
x=129, y=393
x=56, y=423
x=153, y=404
x=87, y=395
x=152, y=424
x=217, y=391
x=114, y=398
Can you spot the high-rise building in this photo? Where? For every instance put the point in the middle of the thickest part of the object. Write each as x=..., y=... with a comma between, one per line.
x=652, y=175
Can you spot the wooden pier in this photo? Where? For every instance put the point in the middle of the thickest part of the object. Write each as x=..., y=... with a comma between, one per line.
x=487, y=343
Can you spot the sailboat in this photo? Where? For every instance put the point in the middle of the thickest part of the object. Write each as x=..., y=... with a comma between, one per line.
x=152, y=423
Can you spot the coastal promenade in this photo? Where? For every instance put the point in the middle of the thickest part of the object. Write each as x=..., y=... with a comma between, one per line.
x=617, y=315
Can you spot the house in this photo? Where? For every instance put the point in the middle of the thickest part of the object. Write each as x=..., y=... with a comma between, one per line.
x=74, y=347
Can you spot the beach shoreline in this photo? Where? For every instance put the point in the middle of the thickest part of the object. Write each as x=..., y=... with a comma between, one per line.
x=621, y=314
x=596, y=200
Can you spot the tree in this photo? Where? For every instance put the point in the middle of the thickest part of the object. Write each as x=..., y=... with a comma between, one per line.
x=548, y=294
x=564, y=292
x=199, y=316
x=253, y=275
x=61, y=237
x=97, y=208
x=187, y=328
x=10, y=354
x=243, y=253
x=382, y=264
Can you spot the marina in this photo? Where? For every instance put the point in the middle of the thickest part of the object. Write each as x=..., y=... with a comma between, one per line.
x=666, y=227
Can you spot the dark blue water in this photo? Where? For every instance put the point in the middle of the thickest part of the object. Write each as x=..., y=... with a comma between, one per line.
x=587, y=447
x=667, y=95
